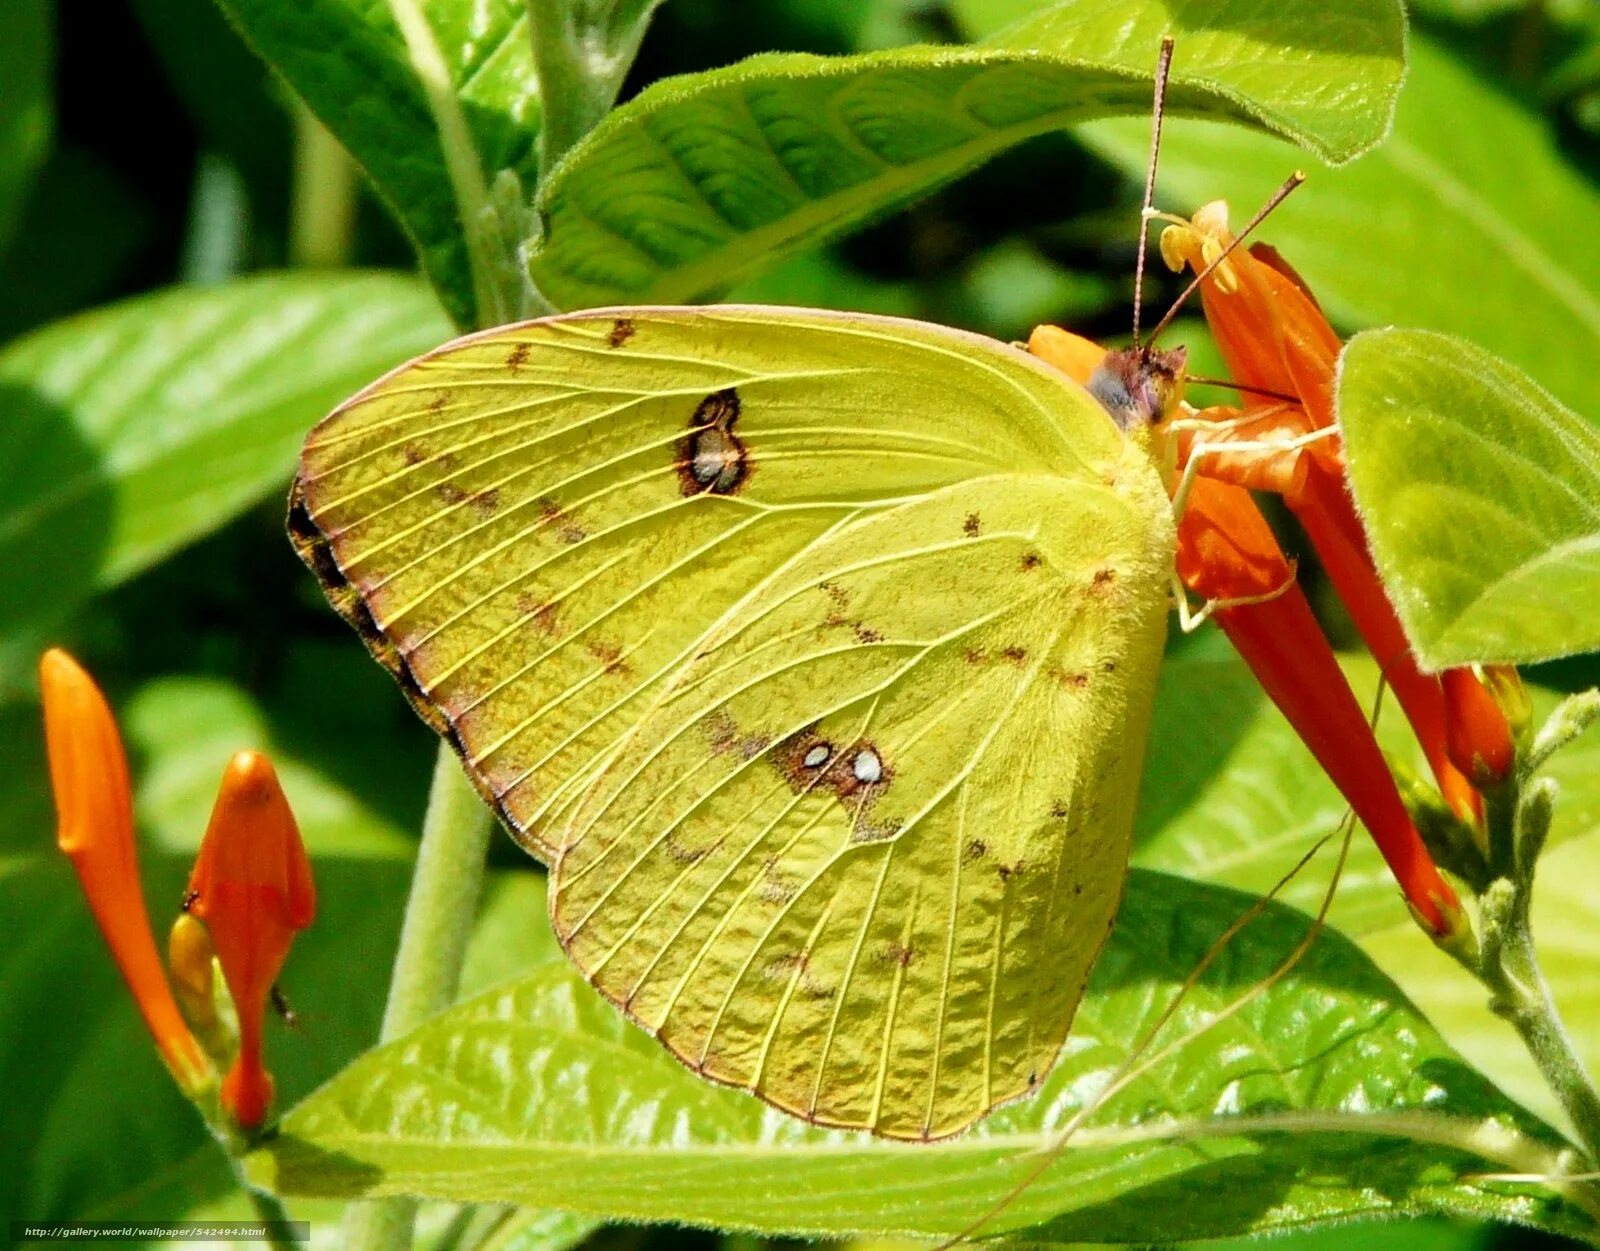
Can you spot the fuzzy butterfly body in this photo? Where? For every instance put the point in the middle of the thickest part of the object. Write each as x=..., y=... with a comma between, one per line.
x=814, y=654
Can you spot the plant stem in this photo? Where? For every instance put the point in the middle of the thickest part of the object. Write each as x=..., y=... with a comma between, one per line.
x=433, y=942
x=270, y=1211
x=323, y=205
x=582, y=50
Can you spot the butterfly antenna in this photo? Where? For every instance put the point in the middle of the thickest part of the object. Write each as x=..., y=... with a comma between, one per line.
x=1140, y=1061
x=1278, y=197
x=1197, y=380
x=1163, y=66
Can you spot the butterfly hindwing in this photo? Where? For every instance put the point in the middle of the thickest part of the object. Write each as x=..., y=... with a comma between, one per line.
x=642, y=566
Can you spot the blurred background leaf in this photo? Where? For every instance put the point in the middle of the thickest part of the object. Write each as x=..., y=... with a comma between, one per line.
x=26, y=106
x=142, y=426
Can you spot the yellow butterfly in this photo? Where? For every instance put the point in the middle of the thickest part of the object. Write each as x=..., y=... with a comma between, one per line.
x=813, y=652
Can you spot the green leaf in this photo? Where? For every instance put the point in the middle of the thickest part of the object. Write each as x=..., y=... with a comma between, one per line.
x=1481, y=494
x=1231, y=795
x=436, y=100
x=136, y=428
x=1325, y=1097
x=27, y=70
x=705, y=177
x=1492, y=202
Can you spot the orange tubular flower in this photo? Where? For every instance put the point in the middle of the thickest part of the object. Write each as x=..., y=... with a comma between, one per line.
x=1226, y=551
x=89, y=775
x=252, y=888
x=1275, y=337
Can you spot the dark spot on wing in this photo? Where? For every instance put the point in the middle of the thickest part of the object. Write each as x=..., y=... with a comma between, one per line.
x=866, y=634
x=727, y=739
x=975, y=656
x=608, y=654
x=486, y=501
x=414, y=455
x=1008, y=871
x=711, y=459
x=1072, y=680
x=1105, y=578
x=1058, y=810
x=1030, y=560
x=898, y=953
x=518, y=356
x=437, y=403
x=976, y=849
x=542, y=616
x=560, y=520
x=1014, y=654
x=450, y=493
x=972, y=525
x=621, y=332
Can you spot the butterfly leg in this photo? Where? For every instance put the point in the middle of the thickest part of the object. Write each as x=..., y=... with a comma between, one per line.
x=1198, y=453
x=1191, y=619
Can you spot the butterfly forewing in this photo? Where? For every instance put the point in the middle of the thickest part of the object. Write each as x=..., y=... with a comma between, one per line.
x=814, y=651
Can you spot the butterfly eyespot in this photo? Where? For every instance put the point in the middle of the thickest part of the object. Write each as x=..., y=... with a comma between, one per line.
x=518, y=356
x=867, y=766
x=817, y=756
x=972, y=525
x=713, y=458
x=621, y=332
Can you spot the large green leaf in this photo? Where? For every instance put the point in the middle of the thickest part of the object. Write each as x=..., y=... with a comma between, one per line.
x=134, y=429
x=26, y=62
x=705, y=177
x=1481, y=494
x=1231, y=795
x=1461, y=222
x=435, y=99
x=1326, y=1097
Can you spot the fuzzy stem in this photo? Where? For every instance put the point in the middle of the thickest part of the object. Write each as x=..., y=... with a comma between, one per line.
x=433, y=943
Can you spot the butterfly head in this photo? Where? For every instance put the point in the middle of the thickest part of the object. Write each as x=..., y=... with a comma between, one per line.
x=1140, y=386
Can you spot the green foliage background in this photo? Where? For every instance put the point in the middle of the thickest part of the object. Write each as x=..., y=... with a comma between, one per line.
x=172, y=326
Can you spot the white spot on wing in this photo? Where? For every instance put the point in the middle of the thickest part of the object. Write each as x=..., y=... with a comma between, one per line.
x=867, y=767
x=817, y=756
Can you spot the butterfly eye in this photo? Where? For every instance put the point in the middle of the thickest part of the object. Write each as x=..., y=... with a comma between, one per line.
x=817, y=756
x=867, y=767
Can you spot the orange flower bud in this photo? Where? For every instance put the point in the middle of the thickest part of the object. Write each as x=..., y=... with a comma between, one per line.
x=1477, y=732
x=89, y=775
x=252, y=888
